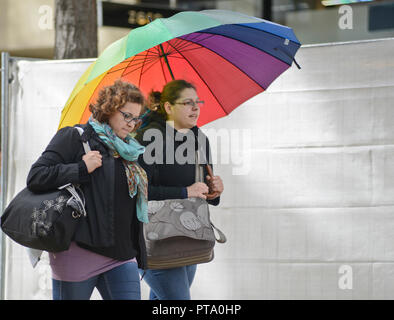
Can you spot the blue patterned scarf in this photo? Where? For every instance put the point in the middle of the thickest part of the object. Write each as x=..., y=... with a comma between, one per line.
x=129, y=150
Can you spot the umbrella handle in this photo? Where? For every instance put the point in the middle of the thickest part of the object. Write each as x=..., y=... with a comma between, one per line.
x=212, y=194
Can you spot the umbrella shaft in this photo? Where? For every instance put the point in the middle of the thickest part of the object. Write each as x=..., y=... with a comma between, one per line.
x=167, y=63
x=164, y=55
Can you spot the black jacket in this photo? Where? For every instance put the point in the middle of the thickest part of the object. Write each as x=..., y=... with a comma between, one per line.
x=62, y=163
x=168, y=179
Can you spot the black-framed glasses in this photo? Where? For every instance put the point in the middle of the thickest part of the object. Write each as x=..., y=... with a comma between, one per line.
x=190, y=103
x=128, y=117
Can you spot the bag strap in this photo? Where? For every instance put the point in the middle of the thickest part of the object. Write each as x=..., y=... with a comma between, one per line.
x=198, y=169
x=222, y=238
x=70, y=187
x=85, y=144
x=200, y=174
x=200, y=178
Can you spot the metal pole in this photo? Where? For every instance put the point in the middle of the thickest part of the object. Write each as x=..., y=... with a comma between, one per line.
x=4, y=158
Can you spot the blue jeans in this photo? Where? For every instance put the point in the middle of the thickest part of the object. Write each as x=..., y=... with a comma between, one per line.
x=170, y=284
x=119, y=283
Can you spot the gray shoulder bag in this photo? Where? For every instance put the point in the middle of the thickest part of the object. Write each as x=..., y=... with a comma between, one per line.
x=180, y=231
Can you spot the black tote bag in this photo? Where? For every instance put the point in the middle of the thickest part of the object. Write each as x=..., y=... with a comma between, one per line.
x=45, y=221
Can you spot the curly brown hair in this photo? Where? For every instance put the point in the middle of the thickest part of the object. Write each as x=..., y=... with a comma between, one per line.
x=114, y=97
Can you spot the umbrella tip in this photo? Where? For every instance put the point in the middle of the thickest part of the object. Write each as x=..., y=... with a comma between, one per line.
x=298, y=66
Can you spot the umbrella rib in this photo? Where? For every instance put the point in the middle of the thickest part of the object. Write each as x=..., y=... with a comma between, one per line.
x=132, y=65
x=137, y=65
x=142, y=69
x=183, y=44
x=191, y=49
x=198, y=36
x=176, y=41
x=183, y=47
x=151, y=56
x=152, y=64
x=169, y=51
x=148, y=55
x=175, y=57
x=126, y=67
x=125, y=61
x=180, y=45
x=179, y=49
x=138, y=68
x=133, y=58
x=202, y=79
x=193, y=39
x=234, y=66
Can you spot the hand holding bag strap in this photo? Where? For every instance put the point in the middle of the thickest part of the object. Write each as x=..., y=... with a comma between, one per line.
x=200, y=178
x=214, y=194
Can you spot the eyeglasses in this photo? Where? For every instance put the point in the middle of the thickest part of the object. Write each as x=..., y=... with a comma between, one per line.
x=128, y=117
x=191, y=103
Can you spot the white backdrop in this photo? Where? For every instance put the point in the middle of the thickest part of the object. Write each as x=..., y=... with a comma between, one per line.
x=308, y=168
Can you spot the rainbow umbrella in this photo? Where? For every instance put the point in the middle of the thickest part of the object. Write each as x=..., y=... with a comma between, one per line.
x=229, y=57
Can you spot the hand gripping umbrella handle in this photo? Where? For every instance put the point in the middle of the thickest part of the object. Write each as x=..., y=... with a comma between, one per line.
x=212, y=194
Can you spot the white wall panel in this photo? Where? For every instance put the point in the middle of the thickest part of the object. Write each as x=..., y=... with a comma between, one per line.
x=248, y=280
x=359, y=234
x=307, y=177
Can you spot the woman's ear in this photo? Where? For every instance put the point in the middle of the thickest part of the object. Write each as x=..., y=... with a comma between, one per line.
x=167, y=108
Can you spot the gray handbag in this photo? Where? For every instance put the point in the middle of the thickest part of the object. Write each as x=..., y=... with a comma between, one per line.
x=180, y=231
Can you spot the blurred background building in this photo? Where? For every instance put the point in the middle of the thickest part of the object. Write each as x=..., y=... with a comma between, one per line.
x=27, y=27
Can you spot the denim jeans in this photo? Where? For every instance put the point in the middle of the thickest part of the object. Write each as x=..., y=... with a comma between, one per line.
x=119, y=283
x=170, y=284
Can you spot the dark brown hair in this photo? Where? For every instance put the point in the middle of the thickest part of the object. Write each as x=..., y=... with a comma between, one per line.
x=114, y=97
x=171, y=92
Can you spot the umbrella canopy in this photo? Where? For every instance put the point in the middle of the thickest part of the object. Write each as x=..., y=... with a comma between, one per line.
x=229, y=57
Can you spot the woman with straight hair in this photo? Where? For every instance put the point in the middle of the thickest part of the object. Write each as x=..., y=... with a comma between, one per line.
x=174, y=114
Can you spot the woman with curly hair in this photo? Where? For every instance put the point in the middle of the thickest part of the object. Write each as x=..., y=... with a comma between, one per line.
x=108, y=245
